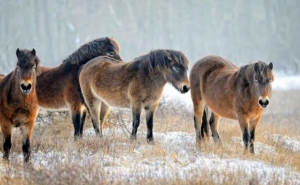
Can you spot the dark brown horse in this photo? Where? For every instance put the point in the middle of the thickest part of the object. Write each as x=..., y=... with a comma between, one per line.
x=230, y=92
x=18, y=101
x=57, y=88
x=137, y=85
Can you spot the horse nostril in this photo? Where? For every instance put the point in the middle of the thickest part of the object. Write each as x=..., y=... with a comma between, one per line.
x=25, y=87
x=185, y=89
x=264, y=104
x=267, y=102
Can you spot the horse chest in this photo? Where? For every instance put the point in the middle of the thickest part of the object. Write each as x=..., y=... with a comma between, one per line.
x=20, y=117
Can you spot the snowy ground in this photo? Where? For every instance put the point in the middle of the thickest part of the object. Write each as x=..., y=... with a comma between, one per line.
x=179, y=158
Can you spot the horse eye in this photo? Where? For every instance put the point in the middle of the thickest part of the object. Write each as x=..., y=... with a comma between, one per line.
x=111, y=53
x=176, y=69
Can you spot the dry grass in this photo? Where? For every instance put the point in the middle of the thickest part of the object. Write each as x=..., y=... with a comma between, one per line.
x=90, y=160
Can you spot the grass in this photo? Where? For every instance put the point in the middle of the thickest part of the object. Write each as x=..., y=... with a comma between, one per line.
x=115, y=159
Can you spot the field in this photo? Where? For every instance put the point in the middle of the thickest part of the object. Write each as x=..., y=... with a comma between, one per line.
x=172, y=159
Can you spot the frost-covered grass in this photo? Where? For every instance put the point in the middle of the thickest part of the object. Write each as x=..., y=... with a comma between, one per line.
x=174, y=158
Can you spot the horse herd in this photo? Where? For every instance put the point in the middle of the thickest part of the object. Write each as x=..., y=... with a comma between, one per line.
x=95, y=78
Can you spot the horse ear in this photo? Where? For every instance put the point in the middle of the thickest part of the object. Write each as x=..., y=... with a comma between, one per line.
x=256, y=67
x=33, y=52
x=18, y=52
x=271, y=65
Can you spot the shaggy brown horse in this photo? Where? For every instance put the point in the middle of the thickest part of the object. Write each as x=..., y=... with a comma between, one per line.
x=230, y=92
x=57, y=88
x=18, y=101
x=137, y=84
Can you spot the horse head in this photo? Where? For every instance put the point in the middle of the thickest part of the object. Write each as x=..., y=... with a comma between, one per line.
x=26, y=69
x=263, y=78
x=177, y=71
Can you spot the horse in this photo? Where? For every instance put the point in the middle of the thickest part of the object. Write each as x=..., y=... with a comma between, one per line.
x=239, y=93
x=19, y=102
x=57, y=88
x=136, y=85
x=1, y=76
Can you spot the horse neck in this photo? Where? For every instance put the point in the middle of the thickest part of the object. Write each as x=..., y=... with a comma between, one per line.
x=249, y=76
x=153, y=76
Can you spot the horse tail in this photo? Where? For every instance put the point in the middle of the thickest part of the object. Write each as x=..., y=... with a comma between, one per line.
x=80, y=91
x=205, y=122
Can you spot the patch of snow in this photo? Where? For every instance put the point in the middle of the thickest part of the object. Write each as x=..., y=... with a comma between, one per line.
x=174, y=155
x=286, y=142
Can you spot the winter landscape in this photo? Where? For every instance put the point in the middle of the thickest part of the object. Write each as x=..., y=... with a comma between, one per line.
x=241, y=31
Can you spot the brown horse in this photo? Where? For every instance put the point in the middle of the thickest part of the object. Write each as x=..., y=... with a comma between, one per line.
x=230, y=92
x=137, y=84
x=57, y=88
x=1, y=76
x=18, y=101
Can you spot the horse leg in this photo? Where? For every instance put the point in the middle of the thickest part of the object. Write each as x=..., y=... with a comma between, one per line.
x=76, y=119
x=103, y=114
x=94, y=110
x=198, y=114
x=253, y=125
x=214, y=126
x=6, y=131
x=149, y=121
x=27, y=130
x=244, y=124
x=136, y=113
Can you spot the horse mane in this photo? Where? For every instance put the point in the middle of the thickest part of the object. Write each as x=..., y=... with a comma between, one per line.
x=159, y=59
x=91, y=50
x=242, y=70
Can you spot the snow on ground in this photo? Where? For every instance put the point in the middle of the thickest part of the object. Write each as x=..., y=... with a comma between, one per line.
x=175, y=155
x=285, y=141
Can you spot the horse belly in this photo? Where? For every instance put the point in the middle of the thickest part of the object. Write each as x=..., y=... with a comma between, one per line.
x=223, y=110
x=114, y=100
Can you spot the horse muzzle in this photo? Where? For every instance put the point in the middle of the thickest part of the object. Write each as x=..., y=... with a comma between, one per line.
x=263, y=102
x=184, y=89
x=26, y=88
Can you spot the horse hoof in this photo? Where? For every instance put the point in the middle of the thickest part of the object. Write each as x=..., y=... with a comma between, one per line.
x=150, y=141
x=5, y=157
x=133, y=137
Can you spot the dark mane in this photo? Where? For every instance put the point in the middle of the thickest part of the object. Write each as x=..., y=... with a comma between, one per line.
x=242, y=70
x=91, y=50
x=159, y=58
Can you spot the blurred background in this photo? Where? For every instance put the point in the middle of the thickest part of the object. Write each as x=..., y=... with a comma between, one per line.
x=239, y=30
